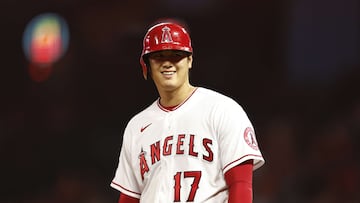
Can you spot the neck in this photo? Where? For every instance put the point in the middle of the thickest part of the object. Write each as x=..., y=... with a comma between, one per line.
x=175, y=97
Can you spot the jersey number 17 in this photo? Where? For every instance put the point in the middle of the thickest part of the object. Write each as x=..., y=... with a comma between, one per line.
x=196, y=175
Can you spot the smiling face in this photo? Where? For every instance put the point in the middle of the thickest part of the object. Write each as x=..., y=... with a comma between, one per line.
x=170, y=69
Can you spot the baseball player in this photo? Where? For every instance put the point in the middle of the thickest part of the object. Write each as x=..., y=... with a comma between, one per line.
x=190, y=145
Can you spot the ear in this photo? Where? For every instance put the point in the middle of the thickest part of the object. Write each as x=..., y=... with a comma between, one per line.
x=190, y=61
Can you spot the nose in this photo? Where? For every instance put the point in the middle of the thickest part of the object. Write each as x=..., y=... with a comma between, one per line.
x=166, y=64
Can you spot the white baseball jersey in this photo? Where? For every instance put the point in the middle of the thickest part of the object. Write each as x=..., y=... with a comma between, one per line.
x=182, y=155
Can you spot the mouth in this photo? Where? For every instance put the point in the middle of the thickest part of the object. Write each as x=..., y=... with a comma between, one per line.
x=168, y=73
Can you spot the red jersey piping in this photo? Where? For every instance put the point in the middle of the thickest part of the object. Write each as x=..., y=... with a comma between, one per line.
x=177, y=106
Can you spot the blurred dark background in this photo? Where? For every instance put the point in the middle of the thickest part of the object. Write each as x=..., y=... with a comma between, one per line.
x=293, y=66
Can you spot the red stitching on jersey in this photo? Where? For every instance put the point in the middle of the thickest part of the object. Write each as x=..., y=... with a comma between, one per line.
x=125, y=188
x=241, y=158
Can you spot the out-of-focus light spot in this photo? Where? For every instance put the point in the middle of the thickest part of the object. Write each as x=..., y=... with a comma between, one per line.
x=39, y=73
x=46, y=38
x=45, y=41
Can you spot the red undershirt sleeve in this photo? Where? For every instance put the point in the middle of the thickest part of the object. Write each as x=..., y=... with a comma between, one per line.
x=127, y=199
x=239, y=181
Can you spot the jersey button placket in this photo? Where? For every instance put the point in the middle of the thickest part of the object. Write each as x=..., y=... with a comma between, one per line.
x=169, y=120
x=166, y=161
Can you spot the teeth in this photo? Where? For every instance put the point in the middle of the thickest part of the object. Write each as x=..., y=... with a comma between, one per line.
x=168, y=73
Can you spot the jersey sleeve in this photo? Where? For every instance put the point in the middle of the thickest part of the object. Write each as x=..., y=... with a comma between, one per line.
x=236, y=135
x=125, y=180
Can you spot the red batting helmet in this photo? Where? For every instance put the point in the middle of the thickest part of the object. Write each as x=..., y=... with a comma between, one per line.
x=166, y=35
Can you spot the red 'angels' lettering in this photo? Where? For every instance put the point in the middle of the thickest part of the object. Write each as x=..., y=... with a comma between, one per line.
x=143, y=164
x=182, y=144
x=167, y=148
x=206, y=143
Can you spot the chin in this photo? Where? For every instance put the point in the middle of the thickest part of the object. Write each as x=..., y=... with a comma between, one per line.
x=168, y=86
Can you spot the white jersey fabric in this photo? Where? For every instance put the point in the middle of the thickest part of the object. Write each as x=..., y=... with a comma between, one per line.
x=182, y=155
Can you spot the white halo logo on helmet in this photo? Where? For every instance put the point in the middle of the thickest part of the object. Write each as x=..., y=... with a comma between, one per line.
x=166, y=35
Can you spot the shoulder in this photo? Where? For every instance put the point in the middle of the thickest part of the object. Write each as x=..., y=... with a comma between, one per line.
x=221, y=105
x=143, y=115
x=209, y=93
x=216, y=97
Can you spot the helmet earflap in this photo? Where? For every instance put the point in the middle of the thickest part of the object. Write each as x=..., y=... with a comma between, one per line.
x=144, y=68
x=165, y=35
